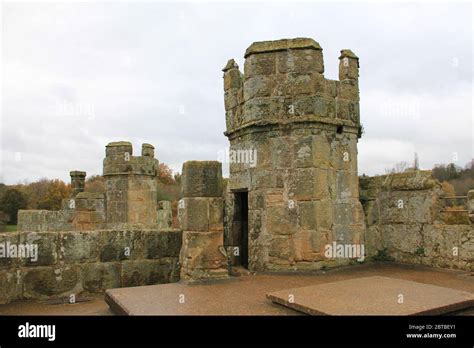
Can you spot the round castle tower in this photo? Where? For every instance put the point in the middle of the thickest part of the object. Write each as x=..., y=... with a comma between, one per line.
x=293, y=186
x=130, y=184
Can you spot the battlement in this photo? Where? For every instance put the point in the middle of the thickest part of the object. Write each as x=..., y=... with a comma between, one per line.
x=119, y=160
x=283, y=82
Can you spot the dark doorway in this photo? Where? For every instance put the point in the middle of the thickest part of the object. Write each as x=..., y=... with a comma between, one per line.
x=241, y=219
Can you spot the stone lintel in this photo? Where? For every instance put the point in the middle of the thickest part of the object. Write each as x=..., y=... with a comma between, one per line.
x=282, y=45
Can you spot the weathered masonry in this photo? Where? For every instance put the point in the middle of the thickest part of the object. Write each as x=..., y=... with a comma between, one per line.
x=293, y=191
x=130, y=197
x=293, y=168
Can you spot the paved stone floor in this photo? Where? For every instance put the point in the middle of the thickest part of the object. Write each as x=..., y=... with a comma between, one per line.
x=374, y=296
x=95, y=305
x=245, y=295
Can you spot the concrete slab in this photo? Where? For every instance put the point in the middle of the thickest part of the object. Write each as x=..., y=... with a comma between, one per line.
x=373, y=296
x=246, y=294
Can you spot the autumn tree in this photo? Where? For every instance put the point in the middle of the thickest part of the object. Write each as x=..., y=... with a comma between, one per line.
x=57, y=190
x=165, y=175
x=95, y=183
x=13, y=200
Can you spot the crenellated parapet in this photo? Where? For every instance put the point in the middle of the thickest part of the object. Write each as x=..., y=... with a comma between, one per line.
x=119, y=160
x=283, y=82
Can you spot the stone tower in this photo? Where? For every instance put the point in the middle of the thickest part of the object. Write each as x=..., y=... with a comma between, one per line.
x=293, y=186
x=130, y=184
x=78, y=182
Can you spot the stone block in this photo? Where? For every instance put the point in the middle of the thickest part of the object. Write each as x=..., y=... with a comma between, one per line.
x=280, y=247
x=343, y=213
x=325, y=213
x=232, y=79
x=393, y=208
x=349, y=89
x=259, y=64
x=309, y=245
x=43, y=282
x=307, y=215
x=302, y=184
x=46, y=244
x=255, y=224
x=281, y=220
x=256, y=200
x=282, y=155
x=11, y=282
x=98, y=277
x=6, y=240
x=419, y=208
x=262, y=179
x=348, y=110
x=149, y=272
x=346, y=185
x=405, y=238
x=299, y=84
x=200, y=256
x=164, y=243
x=300, y=61
x=321, y=151
x=256, y=87
x=303, y=152
x=202, y=179
x=79, y=246
x=118, y=245
x=256, y=109
x=193, y=214
x=216, y=214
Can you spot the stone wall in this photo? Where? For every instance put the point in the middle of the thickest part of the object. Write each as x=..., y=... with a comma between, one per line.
x=43, y=220
x=303, y=129
x=407, y=222
x=85, y=211
x=75, y=262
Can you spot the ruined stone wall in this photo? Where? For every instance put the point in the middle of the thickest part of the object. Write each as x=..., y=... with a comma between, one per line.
x=75, y=262
x=303, y=187
x=407, y=222
x=85, y=211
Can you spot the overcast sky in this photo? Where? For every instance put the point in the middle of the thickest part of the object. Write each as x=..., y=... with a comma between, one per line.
x=79, y=75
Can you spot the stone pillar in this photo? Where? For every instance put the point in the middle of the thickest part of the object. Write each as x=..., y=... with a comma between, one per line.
x=470, y=204
x=201, y=216
x=148, y=150
x=348, y=66
x=233, y=93
x=78, y=182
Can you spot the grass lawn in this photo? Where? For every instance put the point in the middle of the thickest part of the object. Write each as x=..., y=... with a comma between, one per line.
x=10, y=228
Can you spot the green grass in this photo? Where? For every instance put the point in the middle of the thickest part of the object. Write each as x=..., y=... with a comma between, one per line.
x=10, y=228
